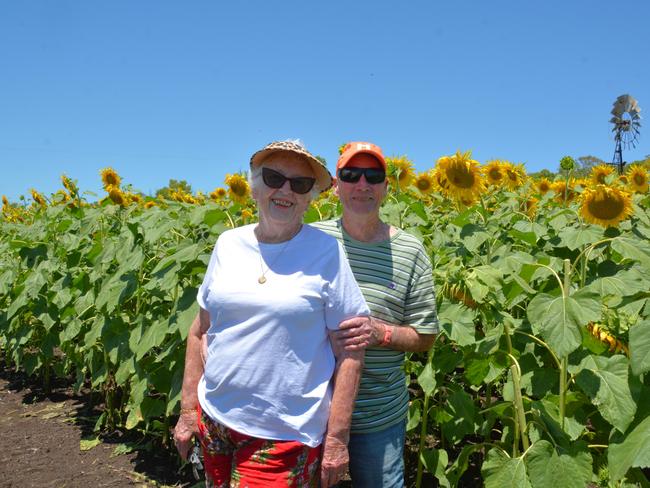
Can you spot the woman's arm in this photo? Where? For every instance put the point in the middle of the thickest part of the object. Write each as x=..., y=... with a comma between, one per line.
x=346, y=385
x=186, y=427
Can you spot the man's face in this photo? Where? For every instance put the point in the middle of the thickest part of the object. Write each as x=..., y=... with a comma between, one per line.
x=361, y=198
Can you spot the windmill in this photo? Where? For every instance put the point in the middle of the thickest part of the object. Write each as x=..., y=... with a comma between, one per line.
x=627, y=120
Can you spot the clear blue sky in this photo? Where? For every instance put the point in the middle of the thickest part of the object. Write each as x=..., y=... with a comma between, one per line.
x=189, y=90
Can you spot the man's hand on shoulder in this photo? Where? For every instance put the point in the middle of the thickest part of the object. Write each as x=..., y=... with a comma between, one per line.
x=358, y=333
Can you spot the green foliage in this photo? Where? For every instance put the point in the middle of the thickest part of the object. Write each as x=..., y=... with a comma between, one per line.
x=515, y=385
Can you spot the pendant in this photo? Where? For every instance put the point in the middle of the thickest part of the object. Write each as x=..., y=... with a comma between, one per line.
x=261, y=280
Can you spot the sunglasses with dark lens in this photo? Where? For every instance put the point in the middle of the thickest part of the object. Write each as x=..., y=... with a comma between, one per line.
x=299, y=184
x=374, y=176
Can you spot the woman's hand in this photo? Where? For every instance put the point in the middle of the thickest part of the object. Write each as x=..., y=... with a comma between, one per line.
x=335, y=461
x=185, y=429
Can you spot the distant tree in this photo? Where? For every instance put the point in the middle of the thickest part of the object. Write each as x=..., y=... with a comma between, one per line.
x=545, y=173
x=174, y=185
x=322, y=160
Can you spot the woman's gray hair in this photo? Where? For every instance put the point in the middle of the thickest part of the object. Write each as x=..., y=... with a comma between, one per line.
x=255, y=179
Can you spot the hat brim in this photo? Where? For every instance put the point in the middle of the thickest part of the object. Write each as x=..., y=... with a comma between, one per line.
x=321, y=173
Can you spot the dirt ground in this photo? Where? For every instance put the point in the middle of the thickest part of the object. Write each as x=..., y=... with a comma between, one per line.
x=41, y=439
x=47, y=441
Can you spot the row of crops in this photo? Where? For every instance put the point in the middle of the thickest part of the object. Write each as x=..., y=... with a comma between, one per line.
x=539, y=375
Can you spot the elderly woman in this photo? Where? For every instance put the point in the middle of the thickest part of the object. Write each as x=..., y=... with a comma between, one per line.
x=273, y=399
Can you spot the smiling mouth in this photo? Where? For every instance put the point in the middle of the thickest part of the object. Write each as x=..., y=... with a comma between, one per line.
x=282, y=203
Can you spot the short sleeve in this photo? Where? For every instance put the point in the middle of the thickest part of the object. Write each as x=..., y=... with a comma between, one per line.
x=343, y=296
x=202, y=295
x=420, y=305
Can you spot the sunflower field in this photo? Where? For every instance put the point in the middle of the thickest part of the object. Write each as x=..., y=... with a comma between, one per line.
x=539, y=377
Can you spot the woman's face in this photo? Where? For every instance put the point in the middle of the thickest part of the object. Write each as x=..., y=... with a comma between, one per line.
x=281, y=206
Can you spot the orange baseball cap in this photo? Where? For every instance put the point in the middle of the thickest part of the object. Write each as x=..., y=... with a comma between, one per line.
x=351, y=149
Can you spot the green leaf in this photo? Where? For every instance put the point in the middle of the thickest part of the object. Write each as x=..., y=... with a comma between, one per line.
x=435, y=462
x=501, y=471
x=623, y=284
x=574, y=238
x=634, y=451
x=634, y=249
x=549, y=468
x=427, y=380
x=605, y=381
x=558, y=319
x=414, y=414
x=458, y=322
x=88, y=444
x=640, y=347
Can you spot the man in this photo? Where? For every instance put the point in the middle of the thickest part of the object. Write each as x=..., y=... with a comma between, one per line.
x=394, y=273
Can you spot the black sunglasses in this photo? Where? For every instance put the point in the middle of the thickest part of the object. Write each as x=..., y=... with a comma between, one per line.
x=373, y=176
x=299, y=184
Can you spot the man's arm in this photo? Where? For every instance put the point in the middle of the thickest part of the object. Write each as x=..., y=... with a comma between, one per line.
x=346, y=385
x=354, y=336
x=186, y=427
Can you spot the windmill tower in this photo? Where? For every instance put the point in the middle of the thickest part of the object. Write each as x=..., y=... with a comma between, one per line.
x=627, y=121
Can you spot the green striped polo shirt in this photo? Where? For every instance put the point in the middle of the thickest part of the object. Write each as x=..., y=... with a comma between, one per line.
x=396, y=280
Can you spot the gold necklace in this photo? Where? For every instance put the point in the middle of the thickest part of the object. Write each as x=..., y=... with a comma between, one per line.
x=262, y=279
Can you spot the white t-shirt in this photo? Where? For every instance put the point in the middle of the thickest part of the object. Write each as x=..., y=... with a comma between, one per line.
x=269, y=363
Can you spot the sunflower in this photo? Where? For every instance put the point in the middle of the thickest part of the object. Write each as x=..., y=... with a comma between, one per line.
x=246, y=214
x=5, y=202
x=400, y=172
x=116, y=195
x=637, y=178
x=460, y=177
x=583, y=183
x=342, y=147
x=134, y=198
x=529, y=206
x=494, y=172
x=605, y=206
x=69, y=185
x=238, y=188
x=560, y=189
x=110, y=179
x=218, y=194
x=600, y=173
x=150, y=204
x=39, y=199
x=424, y=182
x=515, y=175
x=543, y=186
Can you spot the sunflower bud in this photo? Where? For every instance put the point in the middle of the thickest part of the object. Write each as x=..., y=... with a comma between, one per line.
x=567, y=163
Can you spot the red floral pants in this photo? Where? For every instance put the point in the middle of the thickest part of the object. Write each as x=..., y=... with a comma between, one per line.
x=234, y=460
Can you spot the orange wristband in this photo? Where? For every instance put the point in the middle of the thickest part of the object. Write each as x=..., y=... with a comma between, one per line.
x=388, y=334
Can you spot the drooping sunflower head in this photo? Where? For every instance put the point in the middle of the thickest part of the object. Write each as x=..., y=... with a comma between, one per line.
x=543, y=186
x=459, y=176
x=600, y=173
x=637, y=178
x=39, y=199
x=110, y=179
x=605, y=206
x=494, y=172
x=218, y=194
x=246, y=214
x=117, y=197
x=563, y=192
x=149, y=204
x=424, y=182
x=400, y=172
x=515, y=175
x=134, y=198
x=529, y=206
x=69, y=185
x=238, y=188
